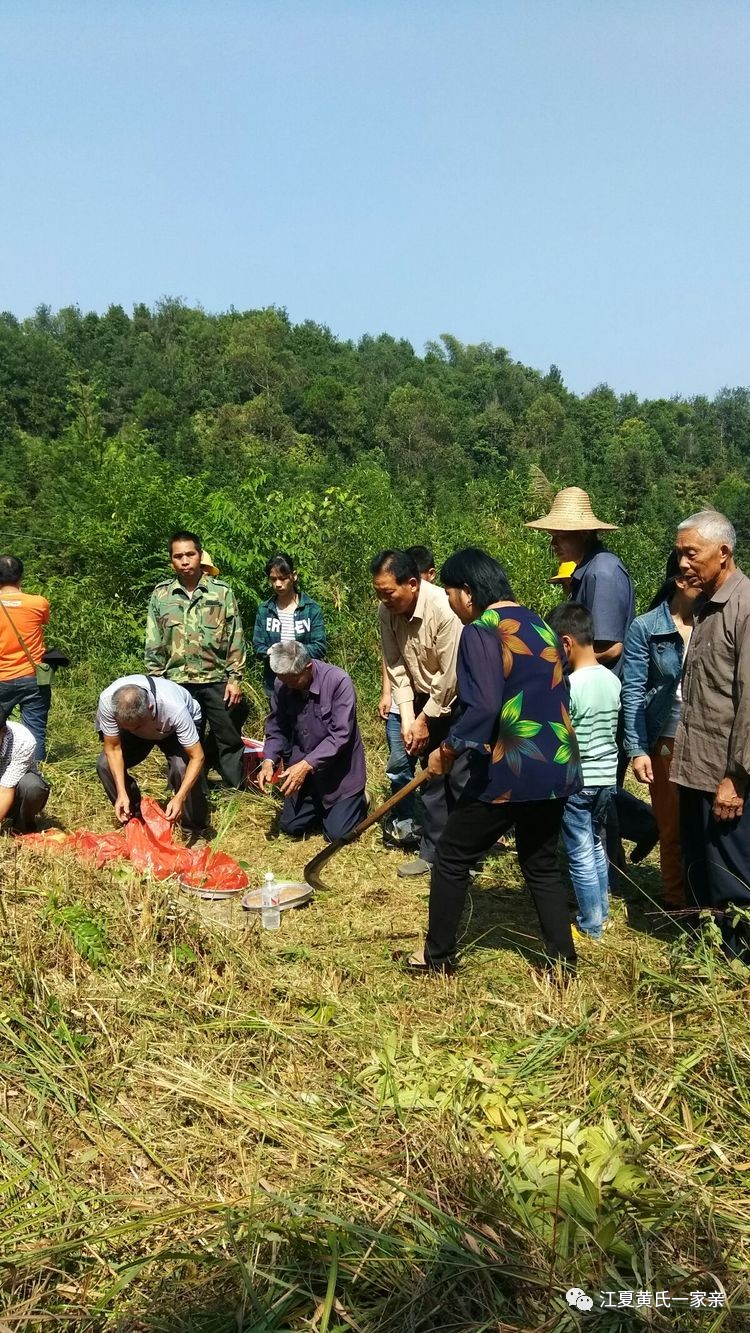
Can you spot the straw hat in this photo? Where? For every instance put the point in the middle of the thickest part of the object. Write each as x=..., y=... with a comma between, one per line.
x=571, y=512
x=208, y=565
x=564, y=572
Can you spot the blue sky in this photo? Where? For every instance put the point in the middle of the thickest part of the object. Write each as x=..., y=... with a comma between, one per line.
x=565, y=179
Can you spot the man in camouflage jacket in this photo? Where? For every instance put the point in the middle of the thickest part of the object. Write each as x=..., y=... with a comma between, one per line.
x=194, y=637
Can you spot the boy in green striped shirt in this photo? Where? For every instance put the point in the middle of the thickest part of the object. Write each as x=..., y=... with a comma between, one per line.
x=594, y=709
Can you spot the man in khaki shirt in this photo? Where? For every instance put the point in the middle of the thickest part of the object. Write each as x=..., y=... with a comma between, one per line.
x=711, y=761
x=419, y=636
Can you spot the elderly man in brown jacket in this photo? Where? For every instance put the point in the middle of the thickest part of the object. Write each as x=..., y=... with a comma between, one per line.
x=711, y=763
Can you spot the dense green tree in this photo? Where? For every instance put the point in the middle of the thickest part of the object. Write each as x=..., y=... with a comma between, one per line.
x=416, y=431
x=542, y=424
x=633, y=462
x=597, y=419
x=332, y=411
x=487, y=437
x=732, y=497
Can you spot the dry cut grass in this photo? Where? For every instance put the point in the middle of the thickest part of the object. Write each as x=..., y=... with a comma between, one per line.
x=205, y=1127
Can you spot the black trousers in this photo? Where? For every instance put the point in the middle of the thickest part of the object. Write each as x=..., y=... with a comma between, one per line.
x=31, y=796
x=471, y=830
x=223, y=746
x=134, y=750
x=306, y=812
x=716, y=864
x=440, y=795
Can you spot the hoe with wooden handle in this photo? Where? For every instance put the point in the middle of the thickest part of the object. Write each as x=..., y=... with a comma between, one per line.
x=313, y=867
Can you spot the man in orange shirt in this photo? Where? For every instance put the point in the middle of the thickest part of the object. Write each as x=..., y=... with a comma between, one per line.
x=22, y=617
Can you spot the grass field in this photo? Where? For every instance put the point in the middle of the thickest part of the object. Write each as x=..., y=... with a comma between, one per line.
x=207, y=1127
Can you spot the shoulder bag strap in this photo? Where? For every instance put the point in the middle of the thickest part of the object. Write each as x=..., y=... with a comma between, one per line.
x=18, y=634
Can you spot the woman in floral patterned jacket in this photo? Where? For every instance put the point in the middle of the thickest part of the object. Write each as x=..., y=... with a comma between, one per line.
x=514, y=721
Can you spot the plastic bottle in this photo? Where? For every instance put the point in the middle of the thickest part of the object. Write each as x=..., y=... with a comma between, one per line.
x=270, y=916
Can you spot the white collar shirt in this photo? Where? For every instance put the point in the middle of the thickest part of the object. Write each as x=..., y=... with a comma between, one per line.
x=17, y=754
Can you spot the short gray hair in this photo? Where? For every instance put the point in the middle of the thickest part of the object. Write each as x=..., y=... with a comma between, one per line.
x=129, y=705
x=289, y=659
x=712, y=526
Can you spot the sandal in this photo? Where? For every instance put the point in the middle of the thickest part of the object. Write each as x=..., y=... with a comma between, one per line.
x=414, y=964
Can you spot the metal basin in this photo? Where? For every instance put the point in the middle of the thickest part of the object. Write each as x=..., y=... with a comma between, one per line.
x=292, y=893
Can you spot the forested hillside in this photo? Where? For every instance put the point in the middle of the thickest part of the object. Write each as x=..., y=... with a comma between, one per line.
x=262, y=433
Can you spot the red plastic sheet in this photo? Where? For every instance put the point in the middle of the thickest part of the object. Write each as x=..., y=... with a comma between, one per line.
x=148, y=844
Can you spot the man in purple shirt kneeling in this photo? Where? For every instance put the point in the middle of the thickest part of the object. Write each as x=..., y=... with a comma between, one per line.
x=314, y=714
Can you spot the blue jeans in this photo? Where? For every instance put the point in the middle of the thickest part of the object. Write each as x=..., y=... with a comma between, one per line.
x=583, y=829
x=34, y=701
x=401, y=767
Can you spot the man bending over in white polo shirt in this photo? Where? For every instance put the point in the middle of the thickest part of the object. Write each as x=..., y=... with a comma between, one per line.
x=135, y=714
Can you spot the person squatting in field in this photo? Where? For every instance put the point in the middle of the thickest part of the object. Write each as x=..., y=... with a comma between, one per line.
x=136, y=713
x=23, y=790
x=313, y=719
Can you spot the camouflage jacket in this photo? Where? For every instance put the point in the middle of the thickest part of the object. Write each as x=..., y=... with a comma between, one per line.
x=194, y=639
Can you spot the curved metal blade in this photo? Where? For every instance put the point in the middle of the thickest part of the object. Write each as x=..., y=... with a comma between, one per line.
x=312, y=869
